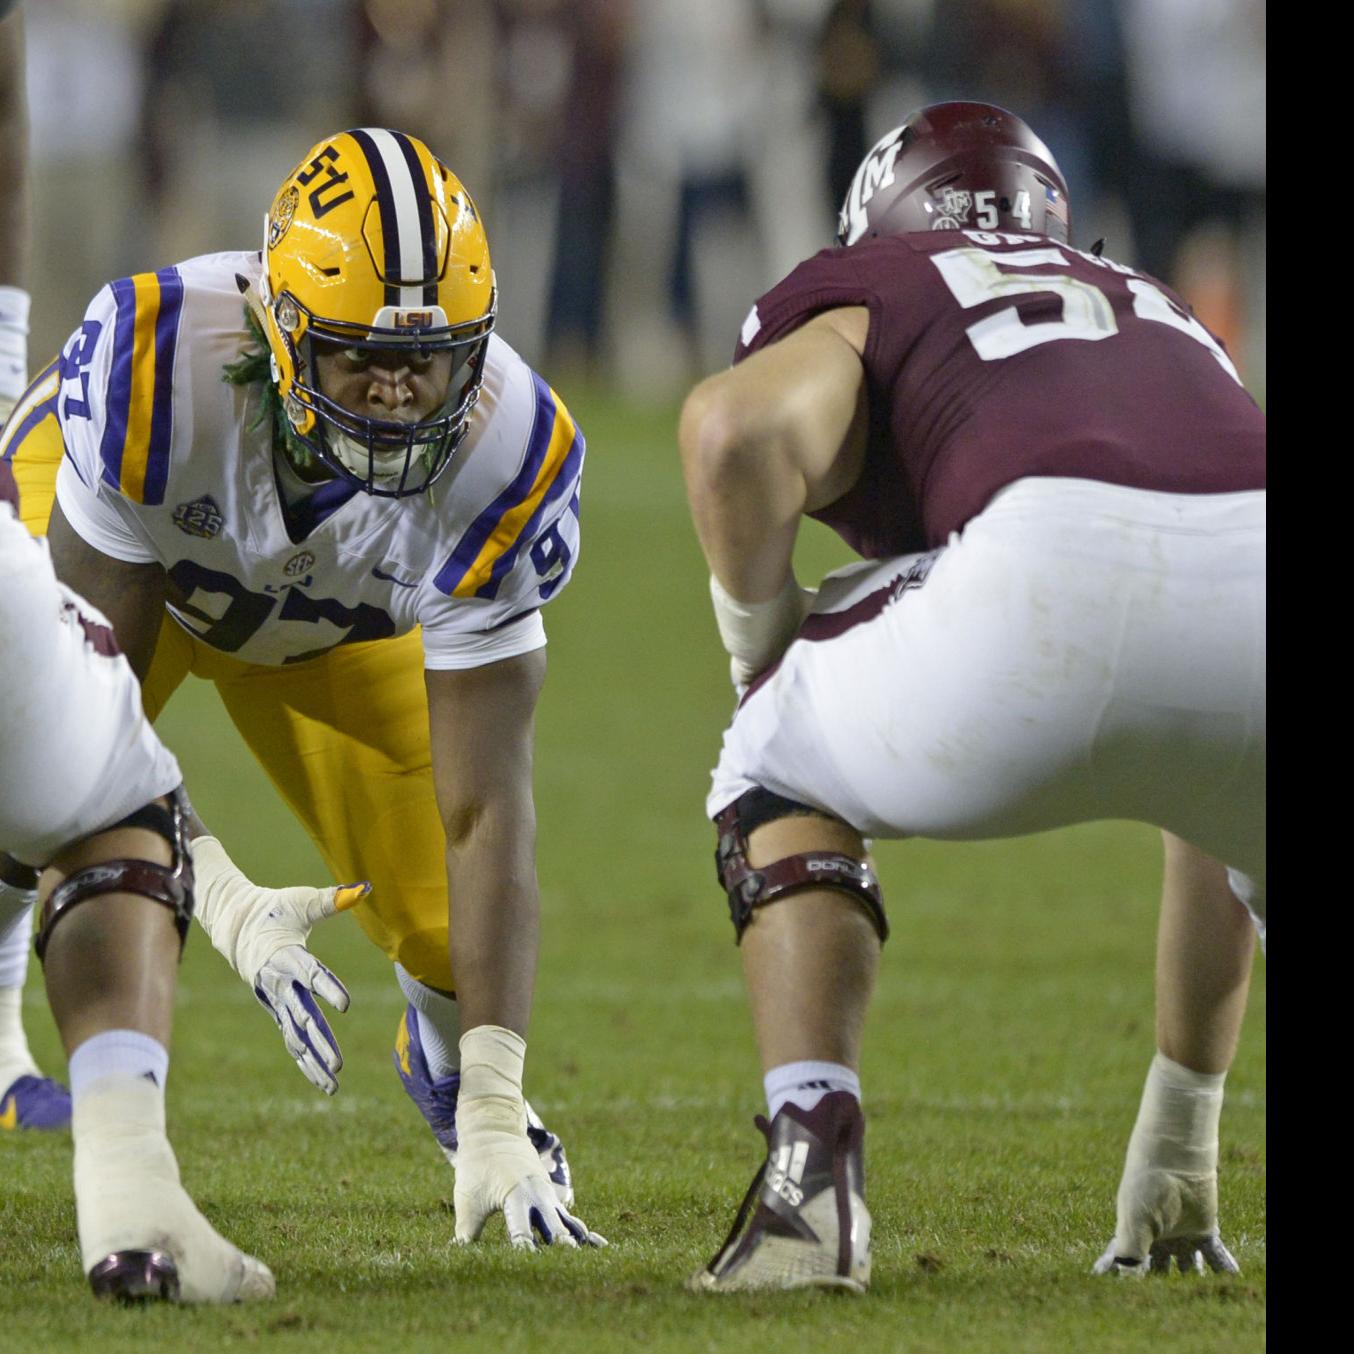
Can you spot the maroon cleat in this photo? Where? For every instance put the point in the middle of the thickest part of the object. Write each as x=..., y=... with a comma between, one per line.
x=136, y=1276
x=810, y=1227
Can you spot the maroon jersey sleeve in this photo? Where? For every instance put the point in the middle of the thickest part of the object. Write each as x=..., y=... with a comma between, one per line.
x=995, y=357
x=9, y=491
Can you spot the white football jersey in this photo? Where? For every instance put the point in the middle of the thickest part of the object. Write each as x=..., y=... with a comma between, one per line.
x=167, y=462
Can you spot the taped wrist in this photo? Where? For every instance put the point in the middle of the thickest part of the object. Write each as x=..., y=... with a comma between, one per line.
x=1177, y=1125
x=225, y=898
x=492, y=1059
x=757, y=633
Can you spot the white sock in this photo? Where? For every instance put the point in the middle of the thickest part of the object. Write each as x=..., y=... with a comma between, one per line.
x=16, y=938
x=805, y=1083
x=15, y=1059
x=127, y=1189
x=125, y=1054
x=439, y=1023
x=16, y=932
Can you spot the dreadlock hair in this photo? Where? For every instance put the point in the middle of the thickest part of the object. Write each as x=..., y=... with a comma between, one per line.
x=253, y=366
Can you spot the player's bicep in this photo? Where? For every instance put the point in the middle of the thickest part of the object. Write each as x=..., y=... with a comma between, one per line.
x=130, y=595
x=793, y=414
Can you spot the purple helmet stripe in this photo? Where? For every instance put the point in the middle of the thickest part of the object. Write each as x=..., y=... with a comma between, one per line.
x=425, y=219
x=390, y=226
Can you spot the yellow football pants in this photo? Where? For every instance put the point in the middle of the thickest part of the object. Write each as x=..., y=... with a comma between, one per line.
x=343, y=737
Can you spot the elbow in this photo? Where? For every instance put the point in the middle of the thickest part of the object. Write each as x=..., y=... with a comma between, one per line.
x=462, y=823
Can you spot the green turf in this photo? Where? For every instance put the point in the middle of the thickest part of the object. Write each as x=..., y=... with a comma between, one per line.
x=1006, y=1051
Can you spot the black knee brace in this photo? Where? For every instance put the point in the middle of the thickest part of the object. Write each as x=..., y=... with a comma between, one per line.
x=750, y=888
x=170, y=885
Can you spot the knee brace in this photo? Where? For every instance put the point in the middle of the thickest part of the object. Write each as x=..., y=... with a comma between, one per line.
x=170, y=885
x=750, y=888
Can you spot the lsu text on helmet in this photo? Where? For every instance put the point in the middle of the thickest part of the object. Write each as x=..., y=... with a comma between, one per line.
x=956, y=166
x=373, y=244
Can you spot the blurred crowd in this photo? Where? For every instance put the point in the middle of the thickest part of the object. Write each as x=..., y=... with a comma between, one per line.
x=645, y=167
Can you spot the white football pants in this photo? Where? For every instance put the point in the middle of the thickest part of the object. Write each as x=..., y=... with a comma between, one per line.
x=1080, y=651
x=76, y=752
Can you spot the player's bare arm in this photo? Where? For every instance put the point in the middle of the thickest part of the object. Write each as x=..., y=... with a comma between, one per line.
x=482, y=722
x=482, y=729
x=766, y=441
x=130, y=595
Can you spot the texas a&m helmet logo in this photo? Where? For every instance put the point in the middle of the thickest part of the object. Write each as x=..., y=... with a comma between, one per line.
x=875, y=172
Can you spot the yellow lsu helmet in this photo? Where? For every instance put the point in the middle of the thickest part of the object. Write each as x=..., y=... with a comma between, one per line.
x=371, y=242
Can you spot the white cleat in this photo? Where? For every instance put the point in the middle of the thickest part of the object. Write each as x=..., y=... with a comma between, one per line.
x=141, y=1236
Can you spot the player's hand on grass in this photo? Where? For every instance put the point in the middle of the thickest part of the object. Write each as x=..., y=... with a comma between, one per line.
x=262, y=933
x=497, y=1167
x=1190, y=1255
x=756, y=634
x=1163, y=1217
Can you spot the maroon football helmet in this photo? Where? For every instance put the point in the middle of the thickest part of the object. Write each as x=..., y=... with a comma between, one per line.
x=955, y=166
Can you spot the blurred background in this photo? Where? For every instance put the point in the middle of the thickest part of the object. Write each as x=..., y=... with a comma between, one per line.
x=645, y=168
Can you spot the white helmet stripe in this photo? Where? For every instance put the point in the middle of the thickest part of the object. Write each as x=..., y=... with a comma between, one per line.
x=404, y=201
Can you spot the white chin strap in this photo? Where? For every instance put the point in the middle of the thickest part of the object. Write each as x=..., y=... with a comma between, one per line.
x=384, y=465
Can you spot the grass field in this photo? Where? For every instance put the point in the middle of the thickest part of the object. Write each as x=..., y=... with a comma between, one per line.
x=1005, y=1055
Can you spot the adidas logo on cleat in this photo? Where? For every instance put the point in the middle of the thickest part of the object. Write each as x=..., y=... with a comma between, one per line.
x=785, y=1170
x=803, y=1222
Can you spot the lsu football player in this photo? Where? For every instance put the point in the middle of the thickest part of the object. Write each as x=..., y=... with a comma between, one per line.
x=317, y=477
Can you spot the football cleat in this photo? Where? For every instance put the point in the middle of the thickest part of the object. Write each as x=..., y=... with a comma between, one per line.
x=136, y=1276
x=142, y=1239
x=803, y=1222
x=436, y=1101
x=35, y=1102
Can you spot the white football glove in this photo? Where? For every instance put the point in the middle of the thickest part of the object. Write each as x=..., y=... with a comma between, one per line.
x=1164, y=1216
x=497, y=1168
x=1167, y=1206
x=262, y=933
x=756, y=634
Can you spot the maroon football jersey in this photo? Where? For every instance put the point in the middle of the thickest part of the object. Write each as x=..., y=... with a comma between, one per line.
x=991, y=357
x=9, y=491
